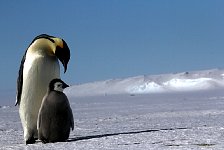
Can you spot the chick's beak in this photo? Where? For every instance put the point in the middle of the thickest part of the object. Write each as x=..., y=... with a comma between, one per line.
x=65, y=85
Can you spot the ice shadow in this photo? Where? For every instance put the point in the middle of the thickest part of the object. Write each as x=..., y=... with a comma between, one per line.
x=121, y=133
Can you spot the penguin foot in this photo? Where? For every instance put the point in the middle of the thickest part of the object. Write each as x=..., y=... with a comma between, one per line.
x=30, y=140
x=44, y=140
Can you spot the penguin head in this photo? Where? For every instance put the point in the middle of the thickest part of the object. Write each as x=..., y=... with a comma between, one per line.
x=53, y=46
x=57, y=85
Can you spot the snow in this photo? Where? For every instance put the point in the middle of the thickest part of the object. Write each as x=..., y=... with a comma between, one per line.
x=189, y=84
x=186, y=81
x=173, y=111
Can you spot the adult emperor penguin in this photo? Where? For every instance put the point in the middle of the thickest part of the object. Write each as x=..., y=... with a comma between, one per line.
x=55, y=117
x=38, y=67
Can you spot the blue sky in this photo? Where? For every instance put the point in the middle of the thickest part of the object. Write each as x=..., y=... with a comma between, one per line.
x=116, y=38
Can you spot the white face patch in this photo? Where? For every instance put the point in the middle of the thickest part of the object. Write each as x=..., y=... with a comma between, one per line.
x=58, y=86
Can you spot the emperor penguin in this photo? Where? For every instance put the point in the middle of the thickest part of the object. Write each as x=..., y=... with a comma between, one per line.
x=55, y=117
x=38, y=67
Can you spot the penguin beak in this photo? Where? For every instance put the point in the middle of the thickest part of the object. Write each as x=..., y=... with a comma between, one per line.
x=65, y=85
x=63, y=54
x=65, y=65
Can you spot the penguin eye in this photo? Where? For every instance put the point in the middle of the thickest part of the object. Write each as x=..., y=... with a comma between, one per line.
x=59, y=85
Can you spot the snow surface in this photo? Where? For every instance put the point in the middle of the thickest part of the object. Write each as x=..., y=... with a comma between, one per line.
x=174, y=111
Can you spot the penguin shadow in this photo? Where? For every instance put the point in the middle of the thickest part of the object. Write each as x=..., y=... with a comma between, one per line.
x=80, y=138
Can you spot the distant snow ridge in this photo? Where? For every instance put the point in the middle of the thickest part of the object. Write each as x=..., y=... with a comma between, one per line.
x=148, y=87
x=175, y=85
x=189, y=84
x=186, y=81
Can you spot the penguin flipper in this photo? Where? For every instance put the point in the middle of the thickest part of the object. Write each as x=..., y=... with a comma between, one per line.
x=20, y=81
x=71, y=118
x=39, y=120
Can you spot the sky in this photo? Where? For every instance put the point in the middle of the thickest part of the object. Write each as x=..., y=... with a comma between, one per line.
x=115, y=38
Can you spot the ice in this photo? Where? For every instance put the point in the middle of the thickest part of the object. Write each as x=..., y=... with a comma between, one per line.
x=111, y=117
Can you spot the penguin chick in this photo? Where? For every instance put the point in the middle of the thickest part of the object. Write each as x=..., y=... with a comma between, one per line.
x=55, y=117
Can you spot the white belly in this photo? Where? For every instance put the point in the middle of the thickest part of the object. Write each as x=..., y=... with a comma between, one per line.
x=38, y=71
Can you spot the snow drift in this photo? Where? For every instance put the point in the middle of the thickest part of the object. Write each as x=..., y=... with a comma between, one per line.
x=179, y=82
